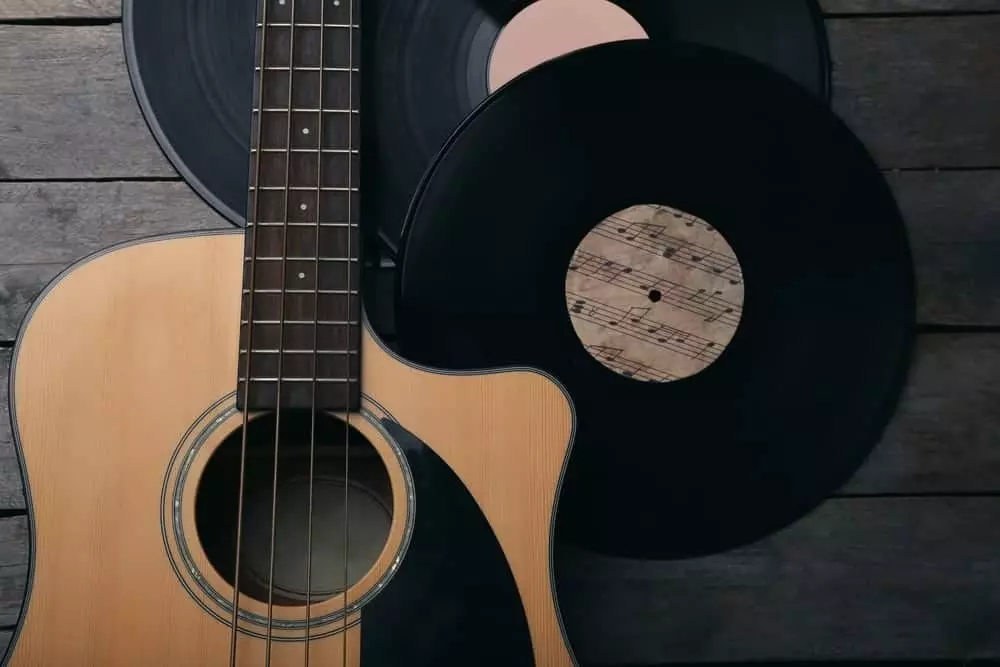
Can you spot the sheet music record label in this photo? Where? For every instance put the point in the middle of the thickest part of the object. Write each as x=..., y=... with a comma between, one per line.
x=654, y=294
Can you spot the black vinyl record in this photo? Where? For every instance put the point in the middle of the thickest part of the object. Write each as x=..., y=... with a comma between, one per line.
x=794, y=403
x=425, y=68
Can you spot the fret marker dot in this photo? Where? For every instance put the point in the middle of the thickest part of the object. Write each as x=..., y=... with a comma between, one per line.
x=303, y=207
x=305, y=130
x=302, y=275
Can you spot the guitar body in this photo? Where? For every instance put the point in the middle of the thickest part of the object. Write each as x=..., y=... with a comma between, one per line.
x=121, y=394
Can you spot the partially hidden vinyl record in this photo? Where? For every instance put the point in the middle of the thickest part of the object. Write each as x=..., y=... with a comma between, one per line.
x=613, y=173
x=426, y=65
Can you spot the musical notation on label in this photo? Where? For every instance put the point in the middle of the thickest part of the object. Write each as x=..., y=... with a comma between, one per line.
x=653, y=239
x=636, y=324
x=615, y=358
x=654, y=294
x=700, y=301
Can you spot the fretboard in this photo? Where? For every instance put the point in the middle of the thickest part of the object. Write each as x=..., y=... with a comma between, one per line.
x=300, y=322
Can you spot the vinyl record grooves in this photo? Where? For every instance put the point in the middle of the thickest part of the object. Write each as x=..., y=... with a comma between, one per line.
x=426, y=61
x=792, y=406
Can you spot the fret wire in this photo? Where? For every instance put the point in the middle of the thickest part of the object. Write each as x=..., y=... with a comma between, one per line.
x=302, y=224
x=309, y=25
x=303, y=188
x=301, y=259
x=339, y=151
x=339, y=380
x=303, y=291
x=307, y=68
x=338, y=323
x=304, y=110
x=275, y=351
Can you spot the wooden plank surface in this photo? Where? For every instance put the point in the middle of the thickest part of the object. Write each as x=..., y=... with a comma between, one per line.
x=907, y=6
x=11, y=488
x=945, y=434
x=953, y=219
x=58, y=9
x=13, y=568
x=920, y=92
x=67, y=109
x=857, y=579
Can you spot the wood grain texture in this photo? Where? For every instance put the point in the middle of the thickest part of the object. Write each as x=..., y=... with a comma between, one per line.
x=945, y=435
x=74, y=322
x=856, y=579
x=13, y=569
x=59, y=9
x=920, y=92
x=907, y=6
x=11, y=488
x=152, y=365
x=71, y=114
x=953, y=219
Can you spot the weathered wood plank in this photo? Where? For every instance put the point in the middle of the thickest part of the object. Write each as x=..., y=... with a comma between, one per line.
x=59, y=9
x=915, y=578
x=907, y=6
x=920, y=91
x=953, y=219
x=11, y=487
x=945, y=435
x=67, y=109
x=13, y=569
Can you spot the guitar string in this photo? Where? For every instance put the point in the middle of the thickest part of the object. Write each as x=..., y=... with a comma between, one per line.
x=350, y=313
x=315, y=347
x=281, y=329
x=252, y=231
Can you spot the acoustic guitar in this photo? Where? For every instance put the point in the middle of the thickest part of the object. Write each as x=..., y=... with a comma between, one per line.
x=226, y=466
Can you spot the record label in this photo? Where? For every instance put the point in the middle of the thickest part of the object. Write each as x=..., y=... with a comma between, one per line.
x=654, y=294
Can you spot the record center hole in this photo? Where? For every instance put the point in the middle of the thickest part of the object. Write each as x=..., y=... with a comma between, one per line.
x=654, y=294
x=547, y=29
x=369, y=503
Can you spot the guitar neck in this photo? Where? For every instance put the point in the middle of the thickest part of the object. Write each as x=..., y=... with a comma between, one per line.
x=300, y=331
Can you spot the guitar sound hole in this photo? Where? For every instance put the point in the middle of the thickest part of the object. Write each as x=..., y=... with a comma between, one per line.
x=368, y=500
